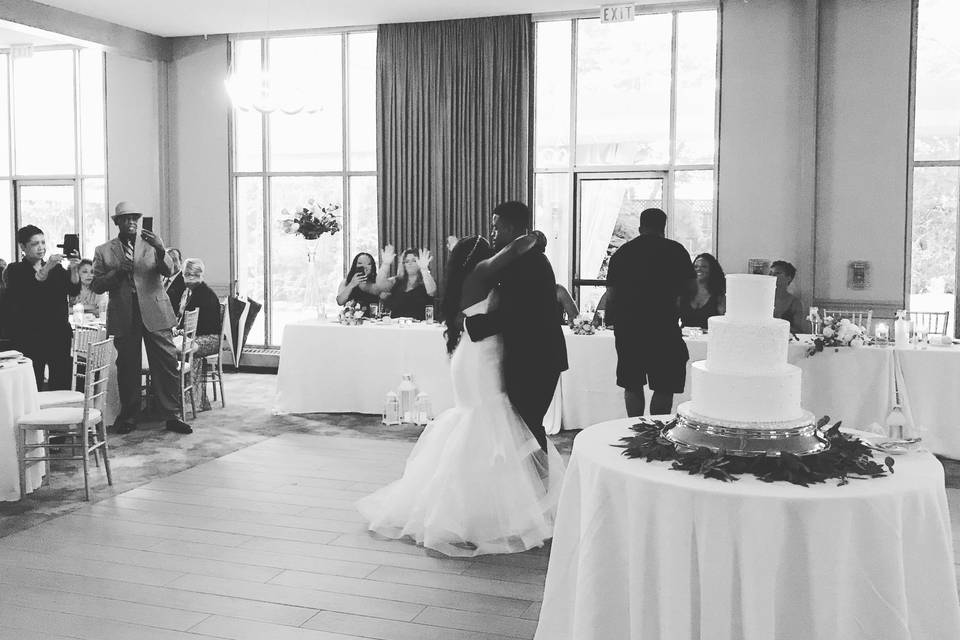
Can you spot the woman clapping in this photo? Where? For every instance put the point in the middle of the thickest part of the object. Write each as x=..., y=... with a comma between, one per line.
x=413, y=288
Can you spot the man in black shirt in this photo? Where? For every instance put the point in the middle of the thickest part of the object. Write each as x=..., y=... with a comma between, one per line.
x=644, y=280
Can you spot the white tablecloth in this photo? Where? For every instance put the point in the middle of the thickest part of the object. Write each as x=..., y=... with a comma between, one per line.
x=589, y=387
x=18, y=396
x=643, y=552
x=333, y=368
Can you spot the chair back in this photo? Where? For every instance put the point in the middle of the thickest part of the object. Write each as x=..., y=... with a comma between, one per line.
x=860, y=317
x=95, y=383
x=190, y=319
x=83, y=337
x=934, y=322
x=224, y=332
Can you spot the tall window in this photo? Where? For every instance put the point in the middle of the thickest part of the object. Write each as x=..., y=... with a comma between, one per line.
x=936, y=160
x=52, y=147
x=282, y=161
x=625, y=120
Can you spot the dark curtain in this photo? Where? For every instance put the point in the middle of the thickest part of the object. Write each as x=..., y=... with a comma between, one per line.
x=454, y=132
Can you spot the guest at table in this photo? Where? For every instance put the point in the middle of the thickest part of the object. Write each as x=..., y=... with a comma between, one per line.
x=360, y=285
x=89, y=298
x=197, y=295
x=786, y=306
x=174, y=284
x=710, y=297
x=413, y=288
x=646, y=277
x=37, y=292
x=568, y=308
x=3, y=293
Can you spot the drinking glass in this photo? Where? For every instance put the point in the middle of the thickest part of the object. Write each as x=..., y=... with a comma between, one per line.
x=428, y=314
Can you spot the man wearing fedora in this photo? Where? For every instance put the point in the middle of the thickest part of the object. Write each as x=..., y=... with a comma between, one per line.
x=130, y=267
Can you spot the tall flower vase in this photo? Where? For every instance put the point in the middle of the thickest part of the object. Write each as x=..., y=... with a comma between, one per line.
x=312, y=299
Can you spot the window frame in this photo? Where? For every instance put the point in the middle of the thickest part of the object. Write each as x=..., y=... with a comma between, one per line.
x=576, y=171
x=912, y=166
x=78, y=176
x=266, y=174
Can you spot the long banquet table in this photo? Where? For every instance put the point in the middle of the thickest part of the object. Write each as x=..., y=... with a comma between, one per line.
x=644, y=552
x=328, y=367
x=18, y=396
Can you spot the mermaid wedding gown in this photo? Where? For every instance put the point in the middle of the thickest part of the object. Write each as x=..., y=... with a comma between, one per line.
x=472, y=484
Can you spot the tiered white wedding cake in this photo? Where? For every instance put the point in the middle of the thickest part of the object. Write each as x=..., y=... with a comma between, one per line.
x=745, y=396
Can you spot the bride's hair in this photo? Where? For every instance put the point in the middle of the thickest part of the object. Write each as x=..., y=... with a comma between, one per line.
x=463, y=258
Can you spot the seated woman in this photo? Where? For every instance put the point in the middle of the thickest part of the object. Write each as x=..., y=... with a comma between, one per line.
x=786, y=306
x=568, y=308
x=360, y=285
x=710, y=297
x=197, y=295
x=87, y=296
x=413, y=288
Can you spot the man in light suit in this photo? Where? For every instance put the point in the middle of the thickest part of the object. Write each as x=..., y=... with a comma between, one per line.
x=130, y=267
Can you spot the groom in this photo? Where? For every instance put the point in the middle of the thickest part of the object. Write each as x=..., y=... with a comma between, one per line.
x=534, y=351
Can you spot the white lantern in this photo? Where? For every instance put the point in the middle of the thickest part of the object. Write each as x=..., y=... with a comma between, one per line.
x=391, y=409
x=424, y=412
x=408, y=398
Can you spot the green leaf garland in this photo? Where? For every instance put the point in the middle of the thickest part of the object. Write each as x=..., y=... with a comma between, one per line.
x=846, y=458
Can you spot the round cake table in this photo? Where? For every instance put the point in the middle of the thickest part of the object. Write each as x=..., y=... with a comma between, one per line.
x=18, y=396
x=644, y=552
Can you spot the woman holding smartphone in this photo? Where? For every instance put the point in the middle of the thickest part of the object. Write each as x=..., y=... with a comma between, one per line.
x=37, y=291
x=360, y=285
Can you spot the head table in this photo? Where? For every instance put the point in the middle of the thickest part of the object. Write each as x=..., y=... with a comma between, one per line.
x=326, y=367
x=18, y=396
x=644, y=552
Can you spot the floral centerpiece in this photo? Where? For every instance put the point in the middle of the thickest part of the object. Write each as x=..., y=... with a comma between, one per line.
x=839, y=332
x=353, y=312
x=311, y=221
x=583, y=327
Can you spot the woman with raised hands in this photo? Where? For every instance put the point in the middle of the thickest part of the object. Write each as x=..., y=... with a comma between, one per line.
x=413, y=288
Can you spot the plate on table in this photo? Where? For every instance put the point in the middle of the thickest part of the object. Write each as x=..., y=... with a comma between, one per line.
x=10, y=355
x=891, y=446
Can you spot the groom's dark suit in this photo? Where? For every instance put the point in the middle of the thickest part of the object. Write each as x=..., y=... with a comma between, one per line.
x=534, y=351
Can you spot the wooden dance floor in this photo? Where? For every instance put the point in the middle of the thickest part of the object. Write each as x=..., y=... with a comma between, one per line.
x=261, y=543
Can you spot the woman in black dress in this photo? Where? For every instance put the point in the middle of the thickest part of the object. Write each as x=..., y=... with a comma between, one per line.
x=413, y=288
x=360, y=285
x=710, y=296
x=37, y=292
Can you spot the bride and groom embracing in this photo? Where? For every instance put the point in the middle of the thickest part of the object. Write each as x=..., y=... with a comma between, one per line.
x=483, y=477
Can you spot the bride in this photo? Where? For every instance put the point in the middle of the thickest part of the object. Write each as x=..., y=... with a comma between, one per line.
x=476, y=482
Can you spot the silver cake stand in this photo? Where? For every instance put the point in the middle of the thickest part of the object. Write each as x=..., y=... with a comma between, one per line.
x=799, y=437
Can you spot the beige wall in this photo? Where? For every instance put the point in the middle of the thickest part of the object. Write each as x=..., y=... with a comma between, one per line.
x=862, y=148
x=199, y=173
x=133, y=135
x=767, y=115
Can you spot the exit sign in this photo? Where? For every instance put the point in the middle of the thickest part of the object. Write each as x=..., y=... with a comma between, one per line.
x=616, y=13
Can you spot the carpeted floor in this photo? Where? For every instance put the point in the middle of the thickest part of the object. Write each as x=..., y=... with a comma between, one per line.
x=150, y=452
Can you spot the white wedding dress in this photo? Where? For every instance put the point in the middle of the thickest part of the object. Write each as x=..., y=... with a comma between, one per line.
x=472, y=484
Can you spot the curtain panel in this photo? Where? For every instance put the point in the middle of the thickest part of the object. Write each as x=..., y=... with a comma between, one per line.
x=454, y=128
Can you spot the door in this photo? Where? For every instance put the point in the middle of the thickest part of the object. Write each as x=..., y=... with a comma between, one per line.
x=608, y=210
x=50, y=205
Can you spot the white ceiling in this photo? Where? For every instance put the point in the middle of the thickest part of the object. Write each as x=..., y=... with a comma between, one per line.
x=198, y=17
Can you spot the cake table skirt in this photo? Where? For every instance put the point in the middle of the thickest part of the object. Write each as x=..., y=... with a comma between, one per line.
x=641, y=552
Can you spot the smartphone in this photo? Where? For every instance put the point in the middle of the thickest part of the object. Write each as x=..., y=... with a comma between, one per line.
x=71, y=245
x=147, y=223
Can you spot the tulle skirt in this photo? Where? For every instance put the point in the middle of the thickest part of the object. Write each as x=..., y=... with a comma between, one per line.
x=475, y=483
